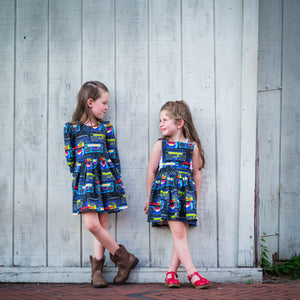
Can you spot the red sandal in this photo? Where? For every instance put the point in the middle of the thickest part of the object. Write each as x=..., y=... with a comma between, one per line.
x=201, y=283
x=172, y=282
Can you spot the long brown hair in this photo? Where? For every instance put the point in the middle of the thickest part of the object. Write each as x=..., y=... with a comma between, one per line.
x=90, y=89
x=179, y=110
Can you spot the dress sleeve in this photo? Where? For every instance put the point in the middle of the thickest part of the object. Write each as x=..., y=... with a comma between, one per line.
x=112, y=146
x=69, y=146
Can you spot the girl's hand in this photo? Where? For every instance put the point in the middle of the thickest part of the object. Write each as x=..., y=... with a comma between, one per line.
x=151, y=171
x=146, y=207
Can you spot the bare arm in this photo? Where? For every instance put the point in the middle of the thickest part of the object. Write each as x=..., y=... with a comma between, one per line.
x=197, y=162
x=151, y=171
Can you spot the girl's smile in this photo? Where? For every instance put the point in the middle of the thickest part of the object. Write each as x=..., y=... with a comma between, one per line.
x=169, y=128
x=167, y=125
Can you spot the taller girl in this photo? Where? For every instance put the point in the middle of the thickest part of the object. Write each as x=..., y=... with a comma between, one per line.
x=92, y=156
x=173, y=184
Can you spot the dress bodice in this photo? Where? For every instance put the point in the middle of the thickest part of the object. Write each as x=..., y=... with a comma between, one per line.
x=176, y=154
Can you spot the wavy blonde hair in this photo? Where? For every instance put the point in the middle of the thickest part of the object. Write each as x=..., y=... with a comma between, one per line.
x=179, y=110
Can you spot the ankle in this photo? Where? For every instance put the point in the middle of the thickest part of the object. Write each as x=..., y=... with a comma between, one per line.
x=192, y=272
x=170, y=273
x=98, y=257
x=115, y=250
x=194, y=276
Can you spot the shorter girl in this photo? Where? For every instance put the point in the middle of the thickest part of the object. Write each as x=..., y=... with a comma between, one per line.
x=92, y=156
x=172, y=191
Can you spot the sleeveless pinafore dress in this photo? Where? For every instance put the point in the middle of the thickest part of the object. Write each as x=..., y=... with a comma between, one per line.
x=173, y=193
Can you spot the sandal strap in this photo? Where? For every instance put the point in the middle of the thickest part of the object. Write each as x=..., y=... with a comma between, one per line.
x=191, y=276
x=172, y=273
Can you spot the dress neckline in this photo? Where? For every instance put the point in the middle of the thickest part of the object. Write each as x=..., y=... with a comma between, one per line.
x=172, y=142
x=94, y=126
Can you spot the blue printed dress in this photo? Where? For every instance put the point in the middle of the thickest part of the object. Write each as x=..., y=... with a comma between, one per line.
x=173, y=193
x=93, y=159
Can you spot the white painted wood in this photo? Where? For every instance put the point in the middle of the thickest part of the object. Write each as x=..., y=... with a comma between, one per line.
x=98, y=47
x=199, y=92
x=31, y=134
x=148, y=52
x=246, y=251
x=164, y=59
x=98, y=63
x=132, y=114
x=164, y=85
x=138, y=275
x=7, y=17
x=64, y=83
x=289, y=239
x=270, y=38
x=269, y=150
x=228, y=52
x=269, y=115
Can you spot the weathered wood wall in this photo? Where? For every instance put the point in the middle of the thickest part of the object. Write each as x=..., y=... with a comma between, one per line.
x=278, y=126
x=147, y=52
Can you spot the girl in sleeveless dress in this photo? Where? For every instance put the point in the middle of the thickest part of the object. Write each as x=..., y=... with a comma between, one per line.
x=173, y=184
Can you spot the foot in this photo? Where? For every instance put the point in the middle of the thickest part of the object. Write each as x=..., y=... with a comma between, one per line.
x=97, y=279
x=125, y=261
x=171, y=280
x=198, y=281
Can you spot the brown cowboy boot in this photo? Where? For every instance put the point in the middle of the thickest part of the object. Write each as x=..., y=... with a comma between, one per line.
x=125, y=261
x=97, y=279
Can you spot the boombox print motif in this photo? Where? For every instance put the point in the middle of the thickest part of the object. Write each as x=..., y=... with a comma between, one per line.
x=173, y=193
x=93, y=159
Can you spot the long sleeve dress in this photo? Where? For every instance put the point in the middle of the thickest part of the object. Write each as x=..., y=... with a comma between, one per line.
x=93, y=159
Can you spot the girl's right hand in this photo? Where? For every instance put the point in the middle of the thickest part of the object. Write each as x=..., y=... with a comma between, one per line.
x=146, y=207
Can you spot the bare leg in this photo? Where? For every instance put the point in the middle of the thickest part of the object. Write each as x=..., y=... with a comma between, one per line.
x=93, y=224
x=175, y=262
x=98, y=248
x=181, y=247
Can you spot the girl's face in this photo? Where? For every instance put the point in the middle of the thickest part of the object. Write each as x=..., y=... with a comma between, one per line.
x=99, y=106
x=167, y=126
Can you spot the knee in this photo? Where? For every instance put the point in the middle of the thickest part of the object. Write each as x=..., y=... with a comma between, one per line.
x=91, y=226
x=179, y=234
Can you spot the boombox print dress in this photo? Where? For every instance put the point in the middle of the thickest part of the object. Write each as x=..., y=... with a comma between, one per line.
x=93, y=159
x=173, y=193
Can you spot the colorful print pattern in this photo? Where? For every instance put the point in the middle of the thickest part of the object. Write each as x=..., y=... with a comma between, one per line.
x=93, y=159
x=173, y=193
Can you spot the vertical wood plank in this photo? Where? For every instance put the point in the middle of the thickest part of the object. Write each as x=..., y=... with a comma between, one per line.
x=270, y=38
x=269, y=112
x=165, y=84
x=98, y=46
x=199, y=93
x=246, y=250
x=64, y=83
x=31, y=133
x=289, y=241
x=7, y=46
x=132, y=113
x=269, y=152
x=165, y=58
x=228, y=52
x=98, y=63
